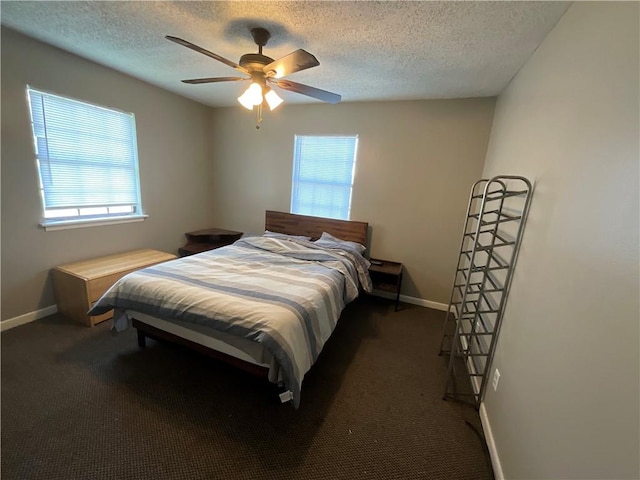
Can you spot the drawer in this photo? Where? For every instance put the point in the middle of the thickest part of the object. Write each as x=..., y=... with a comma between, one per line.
x=100, y=285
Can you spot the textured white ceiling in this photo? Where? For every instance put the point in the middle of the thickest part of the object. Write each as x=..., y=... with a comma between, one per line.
x=367, y=50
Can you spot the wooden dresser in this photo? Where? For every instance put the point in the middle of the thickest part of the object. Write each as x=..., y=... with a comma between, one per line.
x=78, y=285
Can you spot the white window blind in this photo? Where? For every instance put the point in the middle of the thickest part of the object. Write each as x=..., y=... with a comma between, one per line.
x=323, y=168
x=87, y=158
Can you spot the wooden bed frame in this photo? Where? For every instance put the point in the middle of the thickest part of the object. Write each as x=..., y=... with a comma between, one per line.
x=145, y=331
x=313, y=227
x=280, y=222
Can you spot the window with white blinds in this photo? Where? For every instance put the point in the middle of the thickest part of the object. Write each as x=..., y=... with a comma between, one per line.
x=323, y=169
x=87, y=159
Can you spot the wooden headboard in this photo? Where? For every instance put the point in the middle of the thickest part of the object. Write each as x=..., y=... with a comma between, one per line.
x=313, y=227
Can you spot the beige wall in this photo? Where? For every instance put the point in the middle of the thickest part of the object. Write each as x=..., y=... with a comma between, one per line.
x=416, y=162
x=173, y=157
x=567, y=403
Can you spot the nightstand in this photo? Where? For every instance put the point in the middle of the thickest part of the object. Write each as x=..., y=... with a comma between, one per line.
x=208, y=239
x=386, y=276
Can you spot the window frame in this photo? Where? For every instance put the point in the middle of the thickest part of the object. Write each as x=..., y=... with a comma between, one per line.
x=52, y=223
x=296, y=167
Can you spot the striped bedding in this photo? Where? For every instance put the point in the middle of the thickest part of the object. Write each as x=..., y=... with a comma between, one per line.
x=285, y=294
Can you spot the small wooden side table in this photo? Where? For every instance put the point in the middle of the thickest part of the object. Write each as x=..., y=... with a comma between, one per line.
x=207, y=239
x=386, y=276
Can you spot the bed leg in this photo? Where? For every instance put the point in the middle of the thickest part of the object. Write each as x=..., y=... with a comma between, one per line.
x=141, y=338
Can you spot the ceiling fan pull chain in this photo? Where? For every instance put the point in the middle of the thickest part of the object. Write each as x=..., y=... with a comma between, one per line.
x=258, y=116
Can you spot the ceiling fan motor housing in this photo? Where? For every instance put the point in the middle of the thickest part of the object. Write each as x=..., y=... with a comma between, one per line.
x=254, y=61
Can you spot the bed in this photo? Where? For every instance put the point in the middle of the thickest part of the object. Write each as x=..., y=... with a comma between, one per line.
x=266, y=304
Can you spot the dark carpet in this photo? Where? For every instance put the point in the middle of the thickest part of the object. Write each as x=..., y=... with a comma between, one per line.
x=80, y=403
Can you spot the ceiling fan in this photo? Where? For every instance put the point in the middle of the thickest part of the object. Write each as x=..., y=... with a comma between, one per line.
x=264, y=72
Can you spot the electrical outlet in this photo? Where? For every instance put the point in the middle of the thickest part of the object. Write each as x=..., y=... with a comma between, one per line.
x=496, y=379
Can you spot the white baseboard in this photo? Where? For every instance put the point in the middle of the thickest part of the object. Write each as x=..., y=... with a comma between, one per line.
x=412, y=300
x=491, y=445
x=27, y=317
x=50, y=310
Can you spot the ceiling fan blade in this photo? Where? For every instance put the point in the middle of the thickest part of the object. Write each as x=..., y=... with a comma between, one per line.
x=195, y=81
x=294, y=62
x=308, y=91
x=198, y=49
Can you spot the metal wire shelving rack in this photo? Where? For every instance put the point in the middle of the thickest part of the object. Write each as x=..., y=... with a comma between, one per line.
x=493, y=228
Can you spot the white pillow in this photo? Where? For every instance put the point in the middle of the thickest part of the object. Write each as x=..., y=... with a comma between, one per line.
x=328, y=240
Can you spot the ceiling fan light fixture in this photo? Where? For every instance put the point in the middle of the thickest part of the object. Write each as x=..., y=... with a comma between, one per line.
x=273, y=99
x=244, y=101
x=251, y=97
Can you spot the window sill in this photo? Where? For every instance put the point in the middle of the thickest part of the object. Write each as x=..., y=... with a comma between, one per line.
x=93, y=222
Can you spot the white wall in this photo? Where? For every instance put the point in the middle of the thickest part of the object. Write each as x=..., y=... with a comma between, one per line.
x=568, y=405
x=174, y=161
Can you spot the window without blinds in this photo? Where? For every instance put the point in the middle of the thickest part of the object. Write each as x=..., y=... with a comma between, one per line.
x=87, y=159
x=323, y=168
